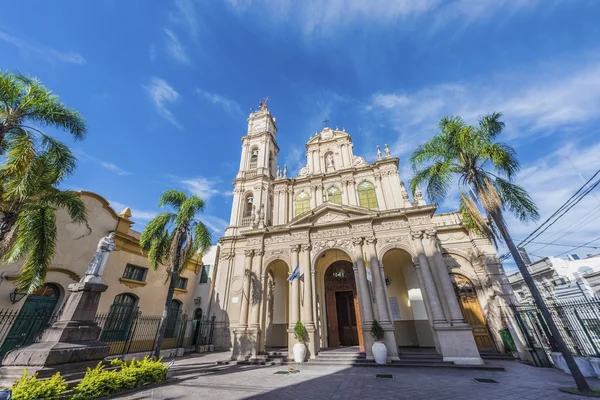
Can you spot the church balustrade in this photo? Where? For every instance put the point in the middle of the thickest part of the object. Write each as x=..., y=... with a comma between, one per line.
x=246, y=221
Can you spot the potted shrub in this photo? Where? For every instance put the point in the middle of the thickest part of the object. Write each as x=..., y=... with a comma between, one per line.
x=300, y=348
x=379, y=350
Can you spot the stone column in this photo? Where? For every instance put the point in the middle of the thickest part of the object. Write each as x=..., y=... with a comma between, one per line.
x=314, y=310
x=437, y=314
x=295, y=303
x=256, y=294
x=379, y=192
x=364, y=296
x=381, y=298
x=307, y=319
x=243, y=321
x=456, y=316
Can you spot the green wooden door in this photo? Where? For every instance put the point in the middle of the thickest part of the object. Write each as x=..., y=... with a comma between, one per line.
x=32, y=319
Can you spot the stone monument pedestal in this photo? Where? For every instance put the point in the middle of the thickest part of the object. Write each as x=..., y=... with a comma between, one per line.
x=68, y=342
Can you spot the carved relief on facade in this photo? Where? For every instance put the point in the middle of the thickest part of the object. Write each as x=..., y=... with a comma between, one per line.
x=227, y=255
x=330, y=233
x=320, y=245
x=393, y=240
x=277, y=253
x=452, y=236
x=357, y=228
x=330, y=217
x=299, y=236
x=277, y=239
x=254, y=242
x=389, y=225
x=419, y=220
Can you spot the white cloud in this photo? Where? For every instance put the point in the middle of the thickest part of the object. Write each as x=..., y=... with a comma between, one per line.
x=532, y=103
x=175, y=48
x=203, y=187
x=330, y=17
x=136, y=214
x=162, y=95
x=42, y=51
x=104, y=164
x=230, y=106
x=215, y=224
x=112, y=167
x=185, y=16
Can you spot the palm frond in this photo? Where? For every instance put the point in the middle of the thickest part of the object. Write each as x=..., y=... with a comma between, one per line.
x=202, y=238
x=173, y=198
x=502, y=156
x=36, y=237
x=155, y=229
x=472, y=218
x=436, y=178
x=159, y=249
x=188, y=209
x=516, y=200
x=490, y=125
x=68, y=200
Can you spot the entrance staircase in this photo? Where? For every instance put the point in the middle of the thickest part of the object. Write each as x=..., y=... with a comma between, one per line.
x=410, y=357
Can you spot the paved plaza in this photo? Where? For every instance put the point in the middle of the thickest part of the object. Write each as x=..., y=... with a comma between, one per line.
x=199, y=377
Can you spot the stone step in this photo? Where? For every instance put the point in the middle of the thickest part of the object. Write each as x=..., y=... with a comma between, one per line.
x=369, y=363
x=433, y=356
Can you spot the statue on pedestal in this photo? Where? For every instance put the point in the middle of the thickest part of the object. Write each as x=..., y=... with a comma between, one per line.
x=93, y=273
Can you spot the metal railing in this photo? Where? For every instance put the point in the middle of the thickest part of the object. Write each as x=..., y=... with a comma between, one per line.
x=19, y=328
x=578, y=322
x=124, y=329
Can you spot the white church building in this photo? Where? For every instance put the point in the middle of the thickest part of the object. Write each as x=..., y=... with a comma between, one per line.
x=365, y=251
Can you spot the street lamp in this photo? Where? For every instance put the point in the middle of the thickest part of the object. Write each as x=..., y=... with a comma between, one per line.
x=16, y=296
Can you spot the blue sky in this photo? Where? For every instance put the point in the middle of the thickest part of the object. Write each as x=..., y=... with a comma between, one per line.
x=166, y=87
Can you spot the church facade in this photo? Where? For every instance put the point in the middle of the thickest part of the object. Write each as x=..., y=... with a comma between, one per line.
x=365, y=252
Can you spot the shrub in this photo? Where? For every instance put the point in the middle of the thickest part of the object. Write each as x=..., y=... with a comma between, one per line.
x=377, y=331
x=300, y=332
x=99, y=382
x=30, y=387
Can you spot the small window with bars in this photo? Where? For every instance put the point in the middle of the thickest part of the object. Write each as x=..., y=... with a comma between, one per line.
x=181, y=283
x=204, y=274
x=135, y=273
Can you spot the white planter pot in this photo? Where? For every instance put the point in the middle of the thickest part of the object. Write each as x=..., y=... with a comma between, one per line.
x=379, y=352
x=299, y=352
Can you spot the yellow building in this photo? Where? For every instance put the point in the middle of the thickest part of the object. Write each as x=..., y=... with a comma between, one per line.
x=132, y=283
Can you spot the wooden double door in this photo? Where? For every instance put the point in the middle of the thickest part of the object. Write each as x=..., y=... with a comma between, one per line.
x=343, y=311
x=471, y=310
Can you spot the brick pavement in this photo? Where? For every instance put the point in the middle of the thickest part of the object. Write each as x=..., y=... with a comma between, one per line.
x=198, y=377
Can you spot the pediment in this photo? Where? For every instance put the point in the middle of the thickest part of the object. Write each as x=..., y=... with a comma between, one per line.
x=330, y=213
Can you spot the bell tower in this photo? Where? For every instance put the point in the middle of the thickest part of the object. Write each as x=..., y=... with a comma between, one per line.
x=253, y=186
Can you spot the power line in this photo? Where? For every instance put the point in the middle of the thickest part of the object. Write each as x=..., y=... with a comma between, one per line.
x=578, y=247
x=562, y=245
x=562, y=210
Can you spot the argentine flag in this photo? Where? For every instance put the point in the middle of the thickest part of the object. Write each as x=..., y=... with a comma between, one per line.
x=295, y=273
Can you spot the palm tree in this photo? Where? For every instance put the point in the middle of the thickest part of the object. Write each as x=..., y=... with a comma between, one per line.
x=485, y=169
x=29, y=198
x=24, y=102
x=172, y=239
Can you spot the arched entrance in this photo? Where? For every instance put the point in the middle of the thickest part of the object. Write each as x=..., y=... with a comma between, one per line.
x=33, y=318
x=276, y=305
x=471, y=310
x=407, y=301
x=197, y=322
x=342, y=307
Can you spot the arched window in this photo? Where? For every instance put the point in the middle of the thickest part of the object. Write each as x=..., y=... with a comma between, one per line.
x=334, y=195
x=253, y=157
x=173, y=319
x=302, y=203
x=366, y=195
x=248, y=205
x=119, y=318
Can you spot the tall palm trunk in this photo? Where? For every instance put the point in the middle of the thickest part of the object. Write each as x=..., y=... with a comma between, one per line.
x=8, y=221
x=174, y=275
x=580, y=380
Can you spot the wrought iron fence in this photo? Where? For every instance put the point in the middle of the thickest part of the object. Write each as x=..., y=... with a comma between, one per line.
x=124, y=329
x=578, y=321
x=22, y=327
x=128, y=331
